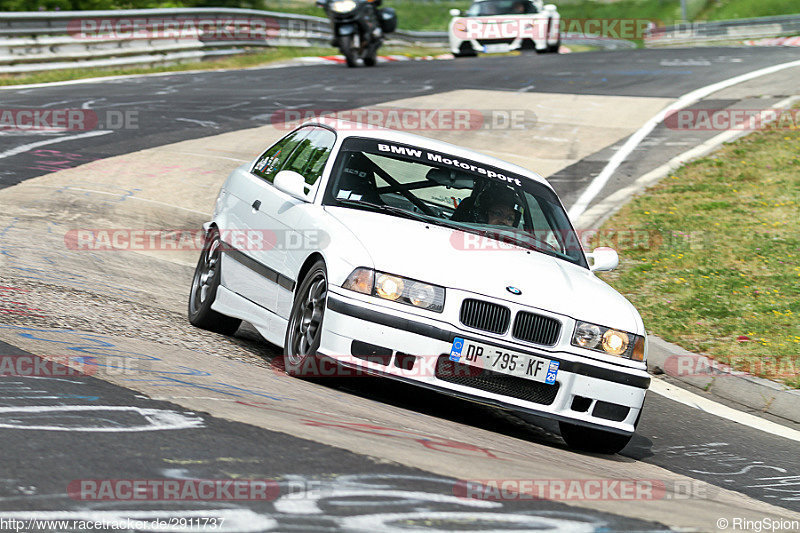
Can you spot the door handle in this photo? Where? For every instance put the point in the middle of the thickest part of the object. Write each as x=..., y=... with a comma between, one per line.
x=256, y=205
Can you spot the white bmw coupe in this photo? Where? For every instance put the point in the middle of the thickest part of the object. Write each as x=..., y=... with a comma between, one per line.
x=401, y=256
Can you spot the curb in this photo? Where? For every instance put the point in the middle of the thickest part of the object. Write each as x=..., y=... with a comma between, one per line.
x=777, y=41
x=756, y=393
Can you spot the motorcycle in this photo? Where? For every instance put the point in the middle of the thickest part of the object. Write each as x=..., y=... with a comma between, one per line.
x=358, y=28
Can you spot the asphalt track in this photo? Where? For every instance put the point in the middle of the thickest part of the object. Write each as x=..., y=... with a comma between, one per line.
x=381, y=451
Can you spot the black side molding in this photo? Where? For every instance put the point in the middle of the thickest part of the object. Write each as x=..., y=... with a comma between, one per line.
x=259, y=268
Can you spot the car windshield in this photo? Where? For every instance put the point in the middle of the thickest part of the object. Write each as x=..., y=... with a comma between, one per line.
x=500, y=7
x=493, y=206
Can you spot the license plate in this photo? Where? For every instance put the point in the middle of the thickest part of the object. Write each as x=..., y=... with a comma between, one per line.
x=504, y=361
x=495, y=48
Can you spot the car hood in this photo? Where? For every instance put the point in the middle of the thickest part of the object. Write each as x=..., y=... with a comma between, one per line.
x=434, y=254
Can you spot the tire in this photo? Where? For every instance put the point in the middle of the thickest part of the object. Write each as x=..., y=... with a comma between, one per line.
x=304, y=333
x=346, y=47
x=553, y=48
x=592, y=440
x=465, y=50
x=207, y=276
x=371, y=57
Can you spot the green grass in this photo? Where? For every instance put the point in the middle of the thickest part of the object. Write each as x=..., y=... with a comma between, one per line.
x=735, y=9
x=410, y=15
x=719, y=270
x=434, y=16
x=264, y=57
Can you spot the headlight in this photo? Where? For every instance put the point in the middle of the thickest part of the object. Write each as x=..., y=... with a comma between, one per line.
x=396, y=289
x=389, y=287
x=608, y=340
x=343, y=6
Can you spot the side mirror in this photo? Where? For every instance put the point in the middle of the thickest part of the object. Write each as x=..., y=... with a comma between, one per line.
x=603, y=259
x=455, y=12
x=550, y=7
x=291, y=183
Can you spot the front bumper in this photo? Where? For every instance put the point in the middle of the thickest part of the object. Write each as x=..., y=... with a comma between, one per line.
x=412, y=348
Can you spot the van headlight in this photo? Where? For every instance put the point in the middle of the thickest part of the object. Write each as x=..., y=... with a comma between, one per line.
x=608, y=340
x=396, y=288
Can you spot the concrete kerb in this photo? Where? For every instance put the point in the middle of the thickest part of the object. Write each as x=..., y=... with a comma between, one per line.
x=755, y=393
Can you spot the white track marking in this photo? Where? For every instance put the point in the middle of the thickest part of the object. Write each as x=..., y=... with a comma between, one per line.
x=25, y=147
x=511, y=523
x=602, y=210
x=155, y=419
x=597, y=184
x=677, y=394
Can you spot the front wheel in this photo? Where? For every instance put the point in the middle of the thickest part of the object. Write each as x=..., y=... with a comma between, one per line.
x=371, y=57
x=206, y=280
x=592, y=440
x=465, y=50
x=348, y=50
x=304, y=334
x=554, y=48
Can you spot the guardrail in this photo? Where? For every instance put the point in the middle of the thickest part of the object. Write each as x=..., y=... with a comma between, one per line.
x=36, y=41
x=694, y=33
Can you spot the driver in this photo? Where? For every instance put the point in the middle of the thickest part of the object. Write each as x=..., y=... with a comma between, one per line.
x=498, y=206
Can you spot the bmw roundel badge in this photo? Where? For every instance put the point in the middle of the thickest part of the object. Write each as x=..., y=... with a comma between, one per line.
x=513, y=290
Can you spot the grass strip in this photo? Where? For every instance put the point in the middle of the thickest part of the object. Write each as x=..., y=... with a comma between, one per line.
x=709, y=256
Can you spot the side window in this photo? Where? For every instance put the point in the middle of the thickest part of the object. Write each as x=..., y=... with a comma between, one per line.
x=312, y=153
x=273, y=159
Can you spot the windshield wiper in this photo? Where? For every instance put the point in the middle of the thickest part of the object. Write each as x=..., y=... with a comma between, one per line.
x=386, y=209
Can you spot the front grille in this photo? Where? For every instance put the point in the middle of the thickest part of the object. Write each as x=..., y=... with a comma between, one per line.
x=495, y=382
x=538, y=329
x=496, y=41
x=485, y=316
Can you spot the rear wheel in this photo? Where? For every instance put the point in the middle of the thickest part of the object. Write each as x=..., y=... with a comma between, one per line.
x=206, y=280
x=304, y=333
x=592, y=440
